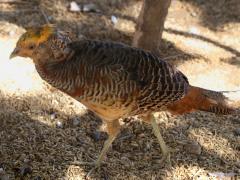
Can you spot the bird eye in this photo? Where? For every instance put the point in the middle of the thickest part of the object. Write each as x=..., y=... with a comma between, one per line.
x=31, y=47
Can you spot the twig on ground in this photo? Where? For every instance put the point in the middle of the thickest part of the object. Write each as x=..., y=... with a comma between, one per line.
x=44, y=15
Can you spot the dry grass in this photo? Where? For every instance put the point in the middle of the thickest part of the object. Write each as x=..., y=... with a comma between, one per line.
x=30, y=109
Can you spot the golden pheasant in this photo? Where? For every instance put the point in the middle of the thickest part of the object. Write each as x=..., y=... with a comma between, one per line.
x=115, y=80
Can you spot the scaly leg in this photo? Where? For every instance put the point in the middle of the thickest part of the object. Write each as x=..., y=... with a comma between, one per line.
x=113, y=130
x=106, y=146
x=163, y=146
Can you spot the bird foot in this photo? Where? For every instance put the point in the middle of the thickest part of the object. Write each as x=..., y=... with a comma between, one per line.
x=166, y=159
x=95, y=165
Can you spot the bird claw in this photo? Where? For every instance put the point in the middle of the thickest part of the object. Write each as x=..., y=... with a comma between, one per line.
x=91, y=171
x=166, y=159
x=96, y=166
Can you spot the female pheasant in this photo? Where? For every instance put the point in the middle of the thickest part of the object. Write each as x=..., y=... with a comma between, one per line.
x=115, y=80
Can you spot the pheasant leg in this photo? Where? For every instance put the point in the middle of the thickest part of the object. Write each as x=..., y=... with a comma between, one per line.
x=164, y=149
x=113, y=130
x=106, y=146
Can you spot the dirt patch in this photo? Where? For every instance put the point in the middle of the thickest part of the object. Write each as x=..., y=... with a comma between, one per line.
x=45, y=130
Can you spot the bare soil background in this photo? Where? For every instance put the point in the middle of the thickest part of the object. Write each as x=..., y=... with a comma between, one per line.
x=42, y=131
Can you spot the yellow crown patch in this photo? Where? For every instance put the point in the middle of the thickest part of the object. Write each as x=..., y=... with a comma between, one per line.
x=38, y=34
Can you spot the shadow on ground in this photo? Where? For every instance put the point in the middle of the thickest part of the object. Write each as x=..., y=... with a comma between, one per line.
x=205, y=39
x=51, y=151
x=99, y=26
x=91, y=25
x=235, y=60
x=216, y=13
x=135, y=153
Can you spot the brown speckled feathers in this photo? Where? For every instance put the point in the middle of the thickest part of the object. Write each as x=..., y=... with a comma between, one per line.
x=115, y=76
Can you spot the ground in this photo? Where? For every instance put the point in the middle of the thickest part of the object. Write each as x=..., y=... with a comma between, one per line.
x=43, y=132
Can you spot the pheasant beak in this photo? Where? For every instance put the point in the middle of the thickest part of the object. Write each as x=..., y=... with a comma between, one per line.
x=15, y=53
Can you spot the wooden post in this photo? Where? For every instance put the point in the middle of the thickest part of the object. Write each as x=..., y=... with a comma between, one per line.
x=150, y=24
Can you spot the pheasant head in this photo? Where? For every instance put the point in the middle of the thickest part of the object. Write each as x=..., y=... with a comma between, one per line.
x=44, y=43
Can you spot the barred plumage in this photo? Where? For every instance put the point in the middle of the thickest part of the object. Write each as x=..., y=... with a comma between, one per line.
x=117, y=76
x=115, y=80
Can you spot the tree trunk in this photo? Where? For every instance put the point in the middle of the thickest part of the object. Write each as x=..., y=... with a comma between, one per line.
x=151, y=24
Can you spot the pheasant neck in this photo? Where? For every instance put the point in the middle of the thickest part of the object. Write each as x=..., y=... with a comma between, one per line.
x=58, y=74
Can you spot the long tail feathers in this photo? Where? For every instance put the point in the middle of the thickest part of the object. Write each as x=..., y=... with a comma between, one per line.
x=224, y=102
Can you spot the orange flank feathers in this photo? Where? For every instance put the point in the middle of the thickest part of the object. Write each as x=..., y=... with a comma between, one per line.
x=201, y=99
